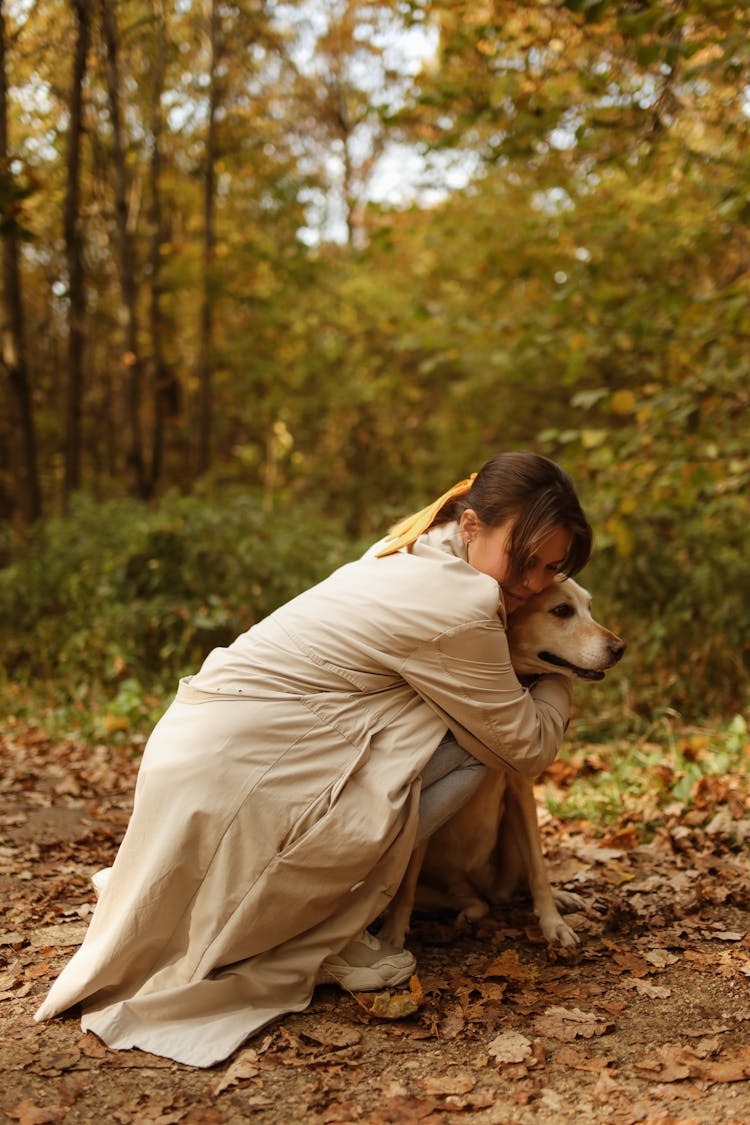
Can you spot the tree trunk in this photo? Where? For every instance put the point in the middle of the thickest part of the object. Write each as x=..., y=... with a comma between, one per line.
x=74, y=255
x=13, y=341
x=166, y=386
x=205, y=360
x=131, y=360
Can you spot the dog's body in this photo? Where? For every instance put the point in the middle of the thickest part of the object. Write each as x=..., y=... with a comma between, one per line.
x=486, y=849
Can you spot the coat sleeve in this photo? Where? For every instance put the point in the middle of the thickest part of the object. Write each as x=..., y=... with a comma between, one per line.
x=467, y=677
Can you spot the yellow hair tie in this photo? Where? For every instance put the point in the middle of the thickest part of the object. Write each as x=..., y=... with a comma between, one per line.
x=406, y=532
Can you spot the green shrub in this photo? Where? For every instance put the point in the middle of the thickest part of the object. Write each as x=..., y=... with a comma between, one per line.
x=110, y=604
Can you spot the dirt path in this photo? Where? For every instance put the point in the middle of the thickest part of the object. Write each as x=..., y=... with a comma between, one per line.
x=647, y=1021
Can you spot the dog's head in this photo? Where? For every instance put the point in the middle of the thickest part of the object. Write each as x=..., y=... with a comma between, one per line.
x=555, y=632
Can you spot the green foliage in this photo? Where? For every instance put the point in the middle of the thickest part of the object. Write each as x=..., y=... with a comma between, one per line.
x=669, y=768
x=109, y=605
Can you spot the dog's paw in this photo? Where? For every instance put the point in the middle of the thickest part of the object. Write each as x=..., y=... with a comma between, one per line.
x=471, y=913
x=568, y=901
x=558, y=932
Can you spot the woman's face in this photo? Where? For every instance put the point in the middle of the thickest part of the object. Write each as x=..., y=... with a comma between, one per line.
x=488, y=551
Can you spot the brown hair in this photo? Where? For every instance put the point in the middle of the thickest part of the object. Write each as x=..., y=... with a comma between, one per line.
x=534, y=492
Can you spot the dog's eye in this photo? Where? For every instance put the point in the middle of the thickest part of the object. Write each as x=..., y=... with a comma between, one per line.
x=563, y=610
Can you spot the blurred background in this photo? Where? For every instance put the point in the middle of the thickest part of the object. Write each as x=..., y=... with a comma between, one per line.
x=275, y=274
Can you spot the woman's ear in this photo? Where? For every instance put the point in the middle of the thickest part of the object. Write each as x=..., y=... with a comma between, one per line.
x=469, y=524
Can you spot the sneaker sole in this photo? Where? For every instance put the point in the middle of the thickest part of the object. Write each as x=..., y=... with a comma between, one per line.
x=359, y=978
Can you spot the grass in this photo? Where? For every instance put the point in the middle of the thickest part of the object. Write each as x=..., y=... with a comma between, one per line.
x=667, y=769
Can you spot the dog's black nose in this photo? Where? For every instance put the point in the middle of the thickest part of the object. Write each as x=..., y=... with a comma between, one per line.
x=617, y=647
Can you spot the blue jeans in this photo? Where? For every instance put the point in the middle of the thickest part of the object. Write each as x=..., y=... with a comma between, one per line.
x=448, y=780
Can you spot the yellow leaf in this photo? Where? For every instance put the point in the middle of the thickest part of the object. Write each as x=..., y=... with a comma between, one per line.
x=622, y=402
x=393, y=1005
x=112, y=723
x=591, y=439
x=621, y=536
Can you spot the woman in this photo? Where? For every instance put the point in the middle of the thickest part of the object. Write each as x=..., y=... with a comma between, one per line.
x=278, y=800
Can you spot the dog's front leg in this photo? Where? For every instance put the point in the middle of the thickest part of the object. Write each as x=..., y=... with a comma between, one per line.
x=398, y=916
x=521, y=808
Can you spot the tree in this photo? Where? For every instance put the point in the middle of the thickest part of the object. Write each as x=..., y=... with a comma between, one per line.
x=132, y=364
x=13, y=332
x=348, y=82
x=166, y=387
x=206, y=359
x=74, y=253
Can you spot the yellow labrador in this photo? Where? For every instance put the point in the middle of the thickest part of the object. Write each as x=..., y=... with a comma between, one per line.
x=482, y=854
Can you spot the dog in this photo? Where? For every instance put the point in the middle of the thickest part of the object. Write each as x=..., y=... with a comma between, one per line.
x=481, y=855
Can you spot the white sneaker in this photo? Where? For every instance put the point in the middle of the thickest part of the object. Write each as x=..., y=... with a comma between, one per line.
x=366, y=964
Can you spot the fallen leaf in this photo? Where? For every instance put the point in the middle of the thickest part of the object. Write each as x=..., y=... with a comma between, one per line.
x=393, y=1005
x=646, y=988
x=332, y=1034
x=244, y=1067
x=568, y=1024
x=660, y=958
x=508, y=967
x=28, y=1113
x=510, y=1047
x=451, y=1083
x=577, y=1059
x=407, y=1111
x=452, y=1022
x=632, y=963
x=729, y=1068
x=344, y=1112
x=50, y=937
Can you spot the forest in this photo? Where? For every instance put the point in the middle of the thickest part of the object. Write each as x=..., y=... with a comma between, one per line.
x=275, y=274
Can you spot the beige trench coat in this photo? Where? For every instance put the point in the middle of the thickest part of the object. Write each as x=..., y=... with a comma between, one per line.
x=276, y=803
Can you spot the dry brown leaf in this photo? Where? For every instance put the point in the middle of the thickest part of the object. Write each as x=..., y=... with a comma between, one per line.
x=343, y=1112
x=407, y=1111
x=244, y=1067
x=452, y=1022
x=510, y=1047
x=12, y=938
x=671, y=1062
x=661, y=958
x=28, y=1113
x=52, y=937
x=508, y=967
x=729, y=1068
x=577, y=1059
x=456, y=1082
x=646, y=988
x=332, y=1034
x=632, y=963
x=568, y=1024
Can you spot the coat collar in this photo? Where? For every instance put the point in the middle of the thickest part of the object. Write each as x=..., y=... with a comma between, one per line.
x=448, y=538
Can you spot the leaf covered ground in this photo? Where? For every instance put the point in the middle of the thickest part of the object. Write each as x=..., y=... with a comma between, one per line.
x=648, y=1020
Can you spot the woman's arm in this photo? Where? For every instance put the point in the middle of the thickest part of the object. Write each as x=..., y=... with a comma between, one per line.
x=467, y=677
